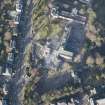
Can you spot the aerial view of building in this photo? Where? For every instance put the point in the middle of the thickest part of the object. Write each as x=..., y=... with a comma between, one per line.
x=52, y=52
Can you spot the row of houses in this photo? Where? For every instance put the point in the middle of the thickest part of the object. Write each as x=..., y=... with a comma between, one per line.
x=13, y=23
x=8, y=69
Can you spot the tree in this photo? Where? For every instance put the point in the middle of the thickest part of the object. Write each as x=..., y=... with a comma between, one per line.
x=90, y=61
x=7, y=36
x=99, y=59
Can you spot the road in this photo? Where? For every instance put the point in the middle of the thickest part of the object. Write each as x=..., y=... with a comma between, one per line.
x=17, y=82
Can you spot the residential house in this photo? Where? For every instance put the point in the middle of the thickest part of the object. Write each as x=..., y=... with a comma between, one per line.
x=19, y=6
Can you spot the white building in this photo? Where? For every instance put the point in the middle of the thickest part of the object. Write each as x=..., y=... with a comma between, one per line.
x=100, y=102
x=1, y=102
x=18, y=7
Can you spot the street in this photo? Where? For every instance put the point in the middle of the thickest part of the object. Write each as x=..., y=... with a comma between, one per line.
x=17, y=82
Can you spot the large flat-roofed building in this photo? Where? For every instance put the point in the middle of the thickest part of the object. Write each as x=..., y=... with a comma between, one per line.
x=74, y=41
x=69, y=10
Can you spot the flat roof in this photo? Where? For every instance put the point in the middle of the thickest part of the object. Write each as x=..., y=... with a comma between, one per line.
x=69, y=15
x=100, y=101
